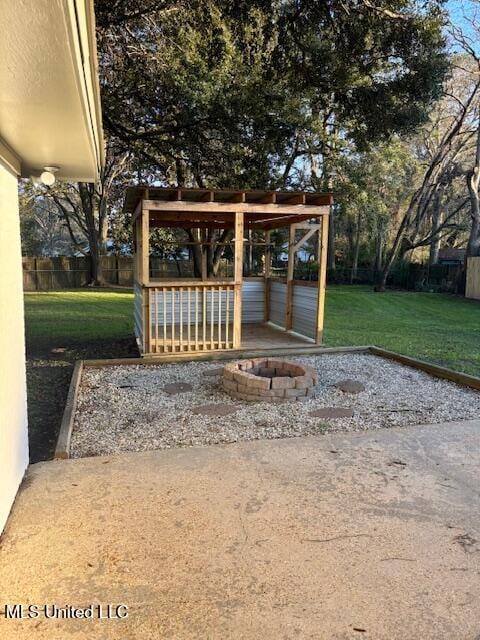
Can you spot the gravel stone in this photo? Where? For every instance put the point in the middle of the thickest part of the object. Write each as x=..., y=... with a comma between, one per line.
x=111, y=420
x=214, y=410
x=332, y=412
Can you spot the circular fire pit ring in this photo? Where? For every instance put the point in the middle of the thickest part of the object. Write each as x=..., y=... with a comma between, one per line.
x=268, y=379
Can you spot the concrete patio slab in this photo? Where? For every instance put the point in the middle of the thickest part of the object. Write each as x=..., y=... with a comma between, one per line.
x=369, y=535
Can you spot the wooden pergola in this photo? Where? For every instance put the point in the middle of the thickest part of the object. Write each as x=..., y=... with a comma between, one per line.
x=207, y=314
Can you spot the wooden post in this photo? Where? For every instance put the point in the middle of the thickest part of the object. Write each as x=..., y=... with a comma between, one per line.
x=145, y=278
x=290, y=273
x=266, y=277
x=322, y=278
x=145, y=247
x=147, y=326
x=238, y=278
x=135, y=251
x=204, y=273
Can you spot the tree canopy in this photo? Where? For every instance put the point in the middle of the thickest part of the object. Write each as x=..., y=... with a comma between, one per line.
x=249, y=94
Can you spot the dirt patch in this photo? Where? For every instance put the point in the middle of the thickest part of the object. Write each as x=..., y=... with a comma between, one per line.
x=49, y=369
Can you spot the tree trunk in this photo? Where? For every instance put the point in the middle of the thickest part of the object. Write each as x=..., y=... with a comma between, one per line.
x=214, y=251
x=87, y=197
x=196, y=252
x=218, y=248
x=436, y=222
x=379, y=247
x=473, y=183
x=397, y=246
x=356, y=250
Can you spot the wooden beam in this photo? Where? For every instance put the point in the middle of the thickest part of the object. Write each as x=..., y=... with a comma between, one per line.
x=165, y=194
x=311, y=211
x=297, y=198
x=145, y=230
x=306, y=226
x=290, y=273
x=137, y=211
x=238, y=278
x=62, y=449
x=145, y=267
x=175, y=224
x=307, y=236
x=191, y=216
x=188, y=282
x=137, y=251
x=282, y=221
x=269, y=198
x=204, y=266
x=146, y=319
x=266, y=277
x=322, y=279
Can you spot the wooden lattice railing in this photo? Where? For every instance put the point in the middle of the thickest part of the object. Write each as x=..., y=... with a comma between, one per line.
x=188, y=317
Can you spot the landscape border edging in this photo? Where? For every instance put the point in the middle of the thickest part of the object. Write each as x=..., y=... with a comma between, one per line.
x=464, y=379
x=62, y=448
x=230, y=354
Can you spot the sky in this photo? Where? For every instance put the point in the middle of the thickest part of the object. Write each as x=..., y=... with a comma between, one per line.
x=461, y=13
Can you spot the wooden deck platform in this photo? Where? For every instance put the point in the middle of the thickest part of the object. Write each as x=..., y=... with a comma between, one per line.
x=267, y=336
x=254, y=336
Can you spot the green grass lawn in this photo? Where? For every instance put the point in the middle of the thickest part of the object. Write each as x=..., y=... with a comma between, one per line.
x=62, y=327
x=431, y=326
x=436, y=327
x=79, y=314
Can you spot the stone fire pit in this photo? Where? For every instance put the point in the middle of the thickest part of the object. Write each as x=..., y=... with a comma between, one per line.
x=268, y=380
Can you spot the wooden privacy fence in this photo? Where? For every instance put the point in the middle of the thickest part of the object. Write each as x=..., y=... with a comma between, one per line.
x=472, y=287
x=44, y=274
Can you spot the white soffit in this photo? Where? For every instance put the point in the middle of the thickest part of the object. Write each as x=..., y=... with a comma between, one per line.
x=49, y=95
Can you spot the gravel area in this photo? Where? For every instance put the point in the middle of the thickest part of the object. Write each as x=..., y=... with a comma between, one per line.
x=125, y=408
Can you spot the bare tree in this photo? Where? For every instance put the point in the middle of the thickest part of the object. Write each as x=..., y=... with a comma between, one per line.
x=447, y=142
x=468, y=41
x=84, y=209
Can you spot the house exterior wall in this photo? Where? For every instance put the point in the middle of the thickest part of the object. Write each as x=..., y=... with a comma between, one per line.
x=13, y=390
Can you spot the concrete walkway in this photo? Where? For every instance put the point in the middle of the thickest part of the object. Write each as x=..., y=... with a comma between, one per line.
x=369, y=535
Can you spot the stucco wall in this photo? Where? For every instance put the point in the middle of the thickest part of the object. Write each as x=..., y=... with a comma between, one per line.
x=13, y=393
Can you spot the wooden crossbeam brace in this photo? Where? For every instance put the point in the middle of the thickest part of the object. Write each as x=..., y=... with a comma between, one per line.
x=306, y=237
x=282, y=222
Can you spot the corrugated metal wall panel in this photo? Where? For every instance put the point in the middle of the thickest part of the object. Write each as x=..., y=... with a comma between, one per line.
x=252, y=300
x=304, y=311
x=278, y=302
x=137, y=310
x=174, y=296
